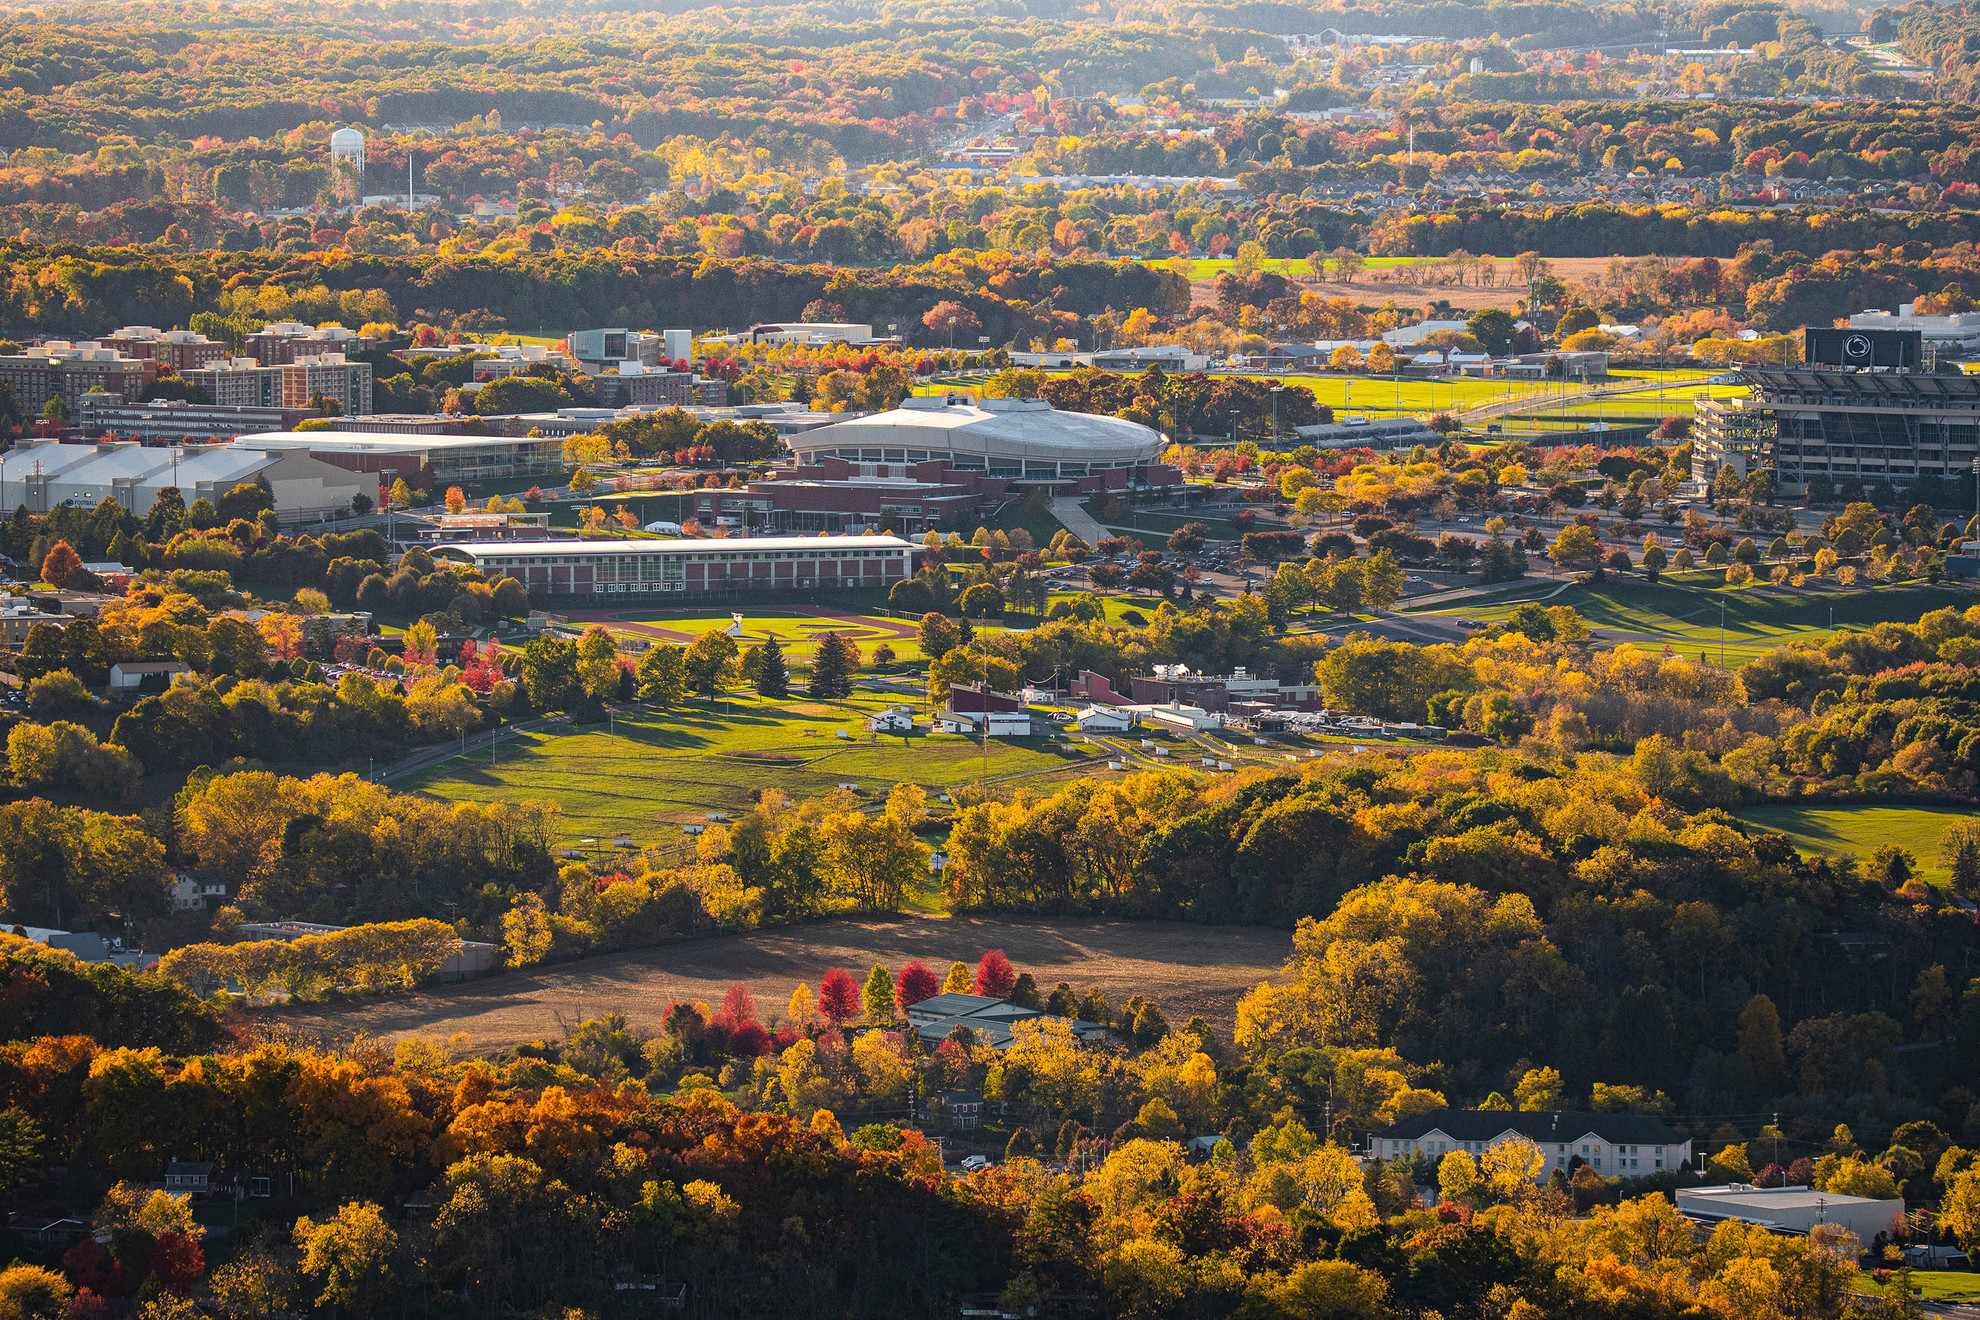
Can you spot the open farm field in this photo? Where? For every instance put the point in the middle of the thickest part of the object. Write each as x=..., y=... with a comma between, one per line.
x=647, y=774
x=1186, y=969
x=1849, y=830
x=1687, y=617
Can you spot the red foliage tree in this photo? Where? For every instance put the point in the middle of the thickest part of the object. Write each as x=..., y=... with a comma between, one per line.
x=178, y=1262
x=995, y=976
x=90, y=1266
x=839, y=997
x=60, y=564
x=738, y=1007
x=86, y=1305
x=749, y=1041
x=916, y=983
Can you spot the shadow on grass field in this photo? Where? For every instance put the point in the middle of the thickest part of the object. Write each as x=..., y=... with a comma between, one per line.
x=1858, y=831
x=1686, y=614
x=646, y=775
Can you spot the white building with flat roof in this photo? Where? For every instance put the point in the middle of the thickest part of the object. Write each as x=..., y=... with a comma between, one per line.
x=1957, y=333
x=1792, y=1209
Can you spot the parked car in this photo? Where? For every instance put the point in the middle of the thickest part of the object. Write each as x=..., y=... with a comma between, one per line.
x=971, y=1163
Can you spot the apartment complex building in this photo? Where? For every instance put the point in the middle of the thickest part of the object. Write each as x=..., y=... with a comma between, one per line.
x=70, y=371
x=181, y=350
x=245, y=383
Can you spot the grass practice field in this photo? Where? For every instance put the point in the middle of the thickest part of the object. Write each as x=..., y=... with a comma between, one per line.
x=1858, y=831
x=647, y=774
x=797, y=631
x=1687, y=616
x=1187, y=969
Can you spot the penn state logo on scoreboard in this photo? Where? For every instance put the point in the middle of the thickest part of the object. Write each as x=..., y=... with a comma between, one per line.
x=1862, y=348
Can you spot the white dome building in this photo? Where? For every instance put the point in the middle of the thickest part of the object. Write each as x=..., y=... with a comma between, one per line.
x=1014, y=438
x=347, y=144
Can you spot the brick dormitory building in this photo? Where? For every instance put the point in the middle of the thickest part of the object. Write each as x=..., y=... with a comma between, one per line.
x=940, y=461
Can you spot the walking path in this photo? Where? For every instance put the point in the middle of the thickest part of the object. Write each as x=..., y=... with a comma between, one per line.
x=1074, y=517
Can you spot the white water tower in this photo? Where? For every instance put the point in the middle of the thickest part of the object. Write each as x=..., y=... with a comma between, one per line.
x=347, y=144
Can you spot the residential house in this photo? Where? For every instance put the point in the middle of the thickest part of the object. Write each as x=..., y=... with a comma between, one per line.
x=195, y=891
x=1614, y=1145
x=188, y=1177
x=964, y=1108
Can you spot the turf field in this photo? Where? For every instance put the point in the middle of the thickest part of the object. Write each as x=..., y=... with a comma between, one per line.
x=1687, y=617
x=1858, y=831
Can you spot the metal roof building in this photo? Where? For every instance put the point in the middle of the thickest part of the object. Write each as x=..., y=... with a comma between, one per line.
x=1006, y=437
x=694, y=566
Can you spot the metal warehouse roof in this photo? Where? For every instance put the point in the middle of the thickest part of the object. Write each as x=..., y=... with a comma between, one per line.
x=996, y=428
x=691, y=545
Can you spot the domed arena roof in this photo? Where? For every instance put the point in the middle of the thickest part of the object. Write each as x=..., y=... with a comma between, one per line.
x=995, y=430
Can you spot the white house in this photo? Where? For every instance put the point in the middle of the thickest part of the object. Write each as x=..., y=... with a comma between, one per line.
x=1104, y=719
x=1614, y=1145
x=895, y=719
x=190, y=892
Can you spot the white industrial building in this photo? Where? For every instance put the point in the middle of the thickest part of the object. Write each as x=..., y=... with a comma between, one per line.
x=45, y=474
x=1790, y=1209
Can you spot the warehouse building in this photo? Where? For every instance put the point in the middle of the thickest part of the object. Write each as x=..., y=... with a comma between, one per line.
x=937, y=461
x=691, y=567
x=44, y=474
x=424, y=460
x=1790, y=1209
x=165, y=420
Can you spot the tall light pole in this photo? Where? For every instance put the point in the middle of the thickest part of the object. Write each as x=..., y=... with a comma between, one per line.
x=1276, y=390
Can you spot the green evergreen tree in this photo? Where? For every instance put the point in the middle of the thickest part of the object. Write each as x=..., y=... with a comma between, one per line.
x=832, y=667
x=773, y=677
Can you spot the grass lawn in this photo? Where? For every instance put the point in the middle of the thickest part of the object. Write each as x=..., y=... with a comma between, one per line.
x=1756, y=621
x=663, y=769
x=1858, y=831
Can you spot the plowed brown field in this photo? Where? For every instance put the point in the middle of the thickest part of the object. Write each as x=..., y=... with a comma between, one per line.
x=1187, y=969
